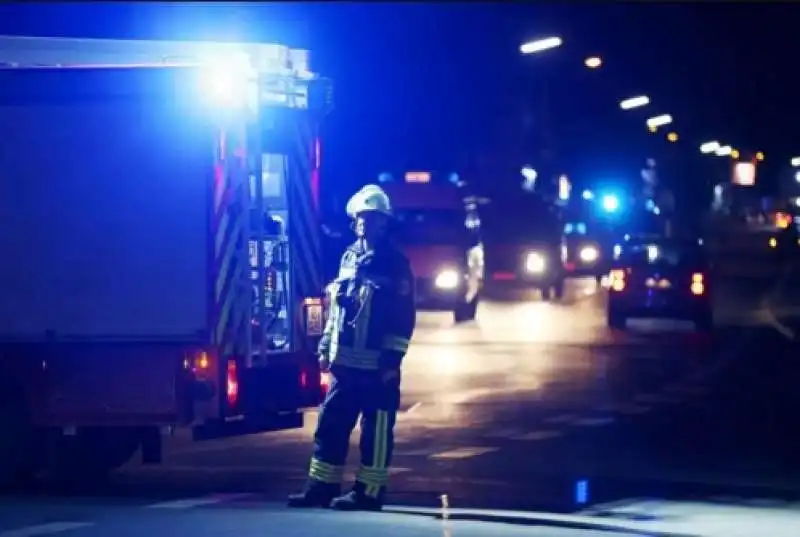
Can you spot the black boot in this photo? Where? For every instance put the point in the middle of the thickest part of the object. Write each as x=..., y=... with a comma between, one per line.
x=315, y=494
x=356, y=500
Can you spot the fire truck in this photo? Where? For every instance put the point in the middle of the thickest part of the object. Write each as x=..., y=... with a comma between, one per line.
x=161, y=252
x=438, y=230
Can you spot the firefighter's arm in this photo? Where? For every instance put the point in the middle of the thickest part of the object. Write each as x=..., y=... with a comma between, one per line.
x=330, y=290
x=401, y=322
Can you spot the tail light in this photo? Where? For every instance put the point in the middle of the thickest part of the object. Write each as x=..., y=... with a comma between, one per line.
x=698, y=286
x=232, y=383
x=617, y=280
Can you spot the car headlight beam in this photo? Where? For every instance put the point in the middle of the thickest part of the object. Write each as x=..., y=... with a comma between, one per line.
x=447, y=279
x=535, y=263
x=589, y=254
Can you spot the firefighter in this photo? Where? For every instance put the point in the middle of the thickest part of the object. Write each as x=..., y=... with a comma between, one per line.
x=367, y=334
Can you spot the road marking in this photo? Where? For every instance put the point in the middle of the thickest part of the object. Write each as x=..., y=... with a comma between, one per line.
x=463, y=453
x=773, y=321
x=189, y=503
x=45, y=529
x=562, y=418
x=538, y=435
x=413, y=408
x=592, y=422
x=412, y=453
x=628, y=409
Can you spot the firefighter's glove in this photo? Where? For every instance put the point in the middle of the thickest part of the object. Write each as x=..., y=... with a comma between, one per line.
x=324, y=363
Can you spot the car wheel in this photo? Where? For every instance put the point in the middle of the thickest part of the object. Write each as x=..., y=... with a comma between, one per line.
x=558, y=289
x=547, y=293
x=617, y=320
x=466, y=311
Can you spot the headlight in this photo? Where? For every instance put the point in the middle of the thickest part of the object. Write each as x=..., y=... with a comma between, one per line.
x=447, y=279
x=589, y=254
x=535, y=263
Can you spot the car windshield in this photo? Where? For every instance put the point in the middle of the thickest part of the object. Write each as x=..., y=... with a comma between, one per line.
x=178, y=264
x=431, y=226
x=664, y=253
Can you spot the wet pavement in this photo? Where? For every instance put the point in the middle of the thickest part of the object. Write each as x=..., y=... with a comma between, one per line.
x=534, y=406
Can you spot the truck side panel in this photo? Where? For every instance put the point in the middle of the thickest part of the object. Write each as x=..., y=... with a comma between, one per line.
x=104, y=207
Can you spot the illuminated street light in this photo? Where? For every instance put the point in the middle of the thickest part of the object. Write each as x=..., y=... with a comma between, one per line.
x=734, y=153
x=709, y=147
x=723, y=151
x=760, y=156
x=652, y=128
x=672, y=136
x=659, y=121
x=593, y=62
x=634, y=102
x=539, y=45
x=796, y=162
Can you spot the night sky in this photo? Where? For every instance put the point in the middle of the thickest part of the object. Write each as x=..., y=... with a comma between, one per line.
x=442, y=86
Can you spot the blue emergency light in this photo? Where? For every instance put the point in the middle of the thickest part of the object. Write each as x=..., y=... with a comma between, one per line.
x=610, y=203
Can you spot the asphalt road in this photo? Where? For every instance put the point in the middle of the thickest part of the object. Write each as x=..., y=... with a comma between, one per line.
x=535, y=406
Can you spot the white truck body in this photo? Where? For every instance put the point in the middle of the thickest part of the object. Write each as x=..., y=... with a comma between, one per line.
x=103, y=213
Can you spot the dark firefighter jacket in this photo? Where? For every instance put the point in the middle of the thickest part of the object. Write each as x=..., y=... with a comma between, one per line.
x=372, y=314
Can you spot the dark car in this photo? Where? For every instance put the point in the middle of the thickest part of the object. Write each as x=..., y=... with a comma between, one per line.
x=523, y=254
x=587, y=252
x=661, y=278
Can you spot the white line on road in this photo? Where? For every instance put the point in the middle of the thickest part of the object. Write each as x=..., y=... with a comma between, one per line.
x=463, y=453
x=189, y=503
x=45, y=529
x=538, y=435
x=562, y=418
x=413, y=408
x=592, y=422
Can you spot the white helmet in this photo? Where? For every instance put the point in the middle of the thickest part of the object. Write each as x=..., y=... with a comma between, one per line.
x=369, y=198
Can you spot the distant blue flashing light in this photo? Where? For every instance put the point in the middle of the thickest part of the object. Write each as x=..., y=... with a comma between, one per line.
x=582, y=492
x=610, y=203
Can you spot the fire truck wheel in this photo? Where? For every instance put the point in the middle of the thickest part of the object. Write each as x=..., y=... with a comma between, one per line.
x=466, y=311
x=91, y=454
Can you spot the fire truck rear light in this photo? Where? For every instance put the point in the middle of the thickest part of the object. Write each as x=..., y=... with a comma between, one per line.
x=325, y=381
x=232, y=383
x=303, y=379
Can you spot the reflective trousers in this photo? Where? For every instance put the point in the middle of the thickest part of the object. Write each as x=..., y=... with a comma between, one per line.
x=353, y=394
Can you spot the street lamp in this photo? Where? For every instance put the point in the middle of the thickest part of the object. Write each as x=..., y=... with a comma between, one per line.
x=659, y=121
x=539, y=45
x=672, y=136
x=760, y=155
x=709, y=147
x=734, y=153
x=593, y=62
x=634, y=102
x=723, y=151
x=796, y=162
